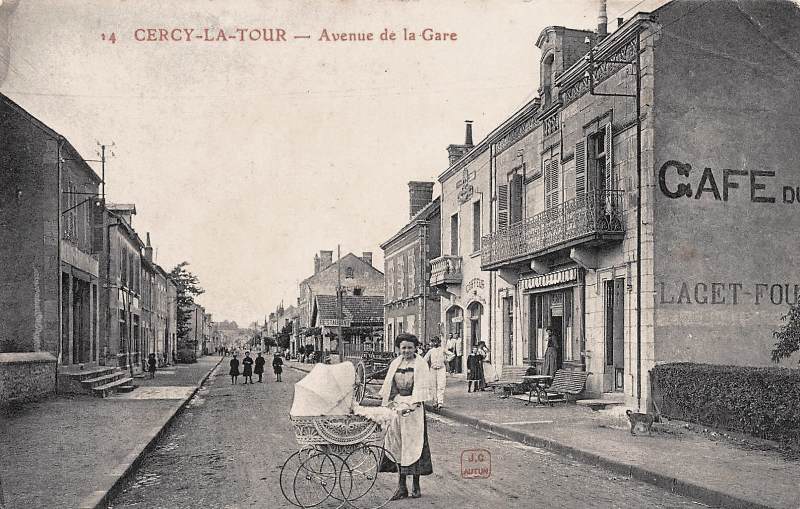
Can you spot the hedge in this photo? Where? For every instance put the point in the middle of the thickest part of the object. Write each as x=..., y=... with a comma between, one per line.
x=187, y=355
x=764, y=402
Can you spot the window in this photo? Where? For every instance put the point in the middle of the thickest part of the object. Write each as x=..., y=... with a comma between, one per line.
x=594, y=162
x=454, y=235
x=358, y=291
x=552, y=170
x=515, y=198
x=348, y=273
x=476, y=226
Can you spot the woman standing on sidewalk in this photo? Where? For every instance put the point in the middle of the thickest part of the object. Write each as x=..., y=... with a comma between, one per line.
x=405, y=389
x=488, y=373
x=234, y=369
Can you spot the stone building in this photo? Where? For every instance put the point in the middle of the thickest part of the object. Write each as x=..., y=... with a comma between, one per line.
x=49, y=277
x=120, y=255
x=155, y=308
x=410, y=304
x=357, y=276
x=640, y=206
x=467, y=291
x=49, y=274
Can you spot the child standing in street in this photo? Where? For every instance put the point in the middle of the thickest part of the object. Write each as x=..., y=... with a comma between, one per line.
x=247, y=365
x=151, y=365
x=277, y=366
x=259, y=367
x=474, y=370
x=234, y=372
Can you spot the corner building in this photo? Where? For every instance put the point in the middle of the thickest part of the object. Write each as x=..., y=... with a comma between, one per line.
x=657, y=237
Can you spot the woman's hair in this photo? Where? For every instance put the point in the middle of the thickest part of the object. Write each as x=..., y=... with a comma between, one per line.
x=481, y=343
x=405, y=337
x=436, y=341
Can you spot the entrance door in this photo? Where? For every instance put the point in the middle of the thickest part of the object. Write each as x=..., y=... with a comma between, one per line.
x=614, y=378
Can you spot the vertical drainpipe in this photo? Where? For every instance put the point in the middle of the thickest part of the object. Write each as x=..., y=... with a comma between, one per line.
x=492, y=335
x=59, y=169
x=423, y=264
x=638, y=221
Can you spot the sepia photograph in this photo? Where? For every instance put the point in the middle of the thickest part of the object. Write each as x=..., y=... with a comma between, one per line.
x=363, y=254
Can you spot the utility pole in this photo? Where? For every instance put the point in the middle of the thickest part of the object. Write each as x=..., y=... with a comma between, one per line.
x=339, y=296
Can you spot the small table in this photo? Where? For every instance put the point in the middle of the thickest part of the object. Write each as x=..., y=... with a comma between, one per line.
x=537, y=384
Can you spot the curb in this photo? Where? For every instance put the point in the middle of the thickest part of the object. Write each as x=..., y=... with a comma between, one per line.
x=673, y=484
x=118, y=476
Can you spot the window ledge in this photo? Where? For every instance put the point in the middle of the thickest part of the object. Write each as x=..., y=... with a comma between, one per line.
x=475, y=254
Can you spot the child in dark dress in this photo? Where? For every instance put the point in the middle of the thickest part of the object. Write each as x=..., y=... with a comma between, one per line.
x=277, y=366
x=151, y=365
x=474, y=370
x=234, y=369
x=260, y=361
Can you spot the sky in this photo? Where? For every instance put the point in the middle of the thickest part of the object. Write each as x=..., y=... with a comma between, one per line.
x=247, y=158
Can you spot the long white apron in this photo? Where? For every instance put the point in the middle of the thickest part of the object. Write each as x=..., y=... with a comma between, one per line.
x=406, y=434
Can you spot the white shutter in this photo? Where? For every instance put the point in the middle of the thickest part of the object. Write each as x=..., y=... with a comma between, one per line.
x=502, y=206
x=580, y=168
x=610, y=180
x=551, y=186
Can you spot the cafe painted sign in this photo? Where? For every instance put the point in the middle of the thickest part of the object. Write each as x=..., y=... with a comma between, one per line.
x=678, y=180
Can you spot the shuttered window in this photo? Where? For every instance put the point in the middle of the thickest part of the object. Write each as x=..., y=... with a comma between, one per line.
x=551, y=185
x=608, y=150
x=580, y=169
x=515, y=198
x=502, y=206
x=476, y=226
x=454, y=235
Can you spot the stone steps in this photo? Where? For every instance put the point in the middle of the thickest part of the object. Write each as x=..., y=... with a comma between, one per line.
x=90, y=383
x=109, y=388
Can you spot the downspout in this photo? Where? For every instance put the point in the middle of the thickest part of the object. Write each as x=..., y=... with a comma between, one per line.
x=492, y=275
x=423, y=259
x=638, y=220
x=59, y=170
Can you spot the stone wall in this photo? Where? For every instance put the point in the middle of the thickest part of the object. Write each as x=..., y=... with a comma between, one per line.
x=26, y=376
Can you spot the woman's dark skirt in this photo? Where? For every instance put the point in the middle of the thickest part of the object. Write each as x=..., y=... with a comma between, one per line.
x=423, y=466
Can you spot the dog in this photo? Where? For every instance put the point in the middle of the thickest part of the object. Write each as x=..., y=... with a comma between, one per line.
x=640, y=422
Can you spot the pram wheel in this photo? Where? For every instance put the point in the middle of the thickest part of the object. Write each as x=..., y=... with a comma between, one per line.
x=361, y=482
x=315, y=479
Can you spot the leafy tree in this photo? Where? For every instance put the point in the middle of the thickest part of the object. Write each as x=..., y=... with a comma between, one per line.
x=788, y=336
x=285, y=335
x=188, y=288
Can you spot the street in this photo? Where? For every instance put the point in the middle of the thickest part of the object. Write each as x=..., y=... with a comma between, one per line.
x=227, y=448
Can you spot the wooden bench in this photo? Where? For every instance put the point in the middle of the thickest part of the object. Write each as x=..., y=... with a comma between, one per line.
x=511, y=380
x=565, y=383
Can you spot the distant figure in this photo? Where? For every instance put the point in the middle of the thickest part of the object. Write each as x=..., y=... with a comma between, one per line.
x=277, y=366
x=450, y=346
x=247, y=368
x=436, y=358
x=260, y=361
x=151, y=365
x=234, y=369
x=474, y=370
x=550, y=365
x=489, y=373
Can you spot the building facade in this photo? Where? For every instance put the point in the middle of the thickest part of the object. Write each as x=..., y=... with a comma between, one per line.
x=49, y=270
x=411, y=305
x=637, y=210
x=467, y=291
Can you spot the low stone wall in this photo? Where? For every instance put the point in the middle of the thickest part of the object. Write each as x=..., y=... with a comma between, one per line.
x=26, y=376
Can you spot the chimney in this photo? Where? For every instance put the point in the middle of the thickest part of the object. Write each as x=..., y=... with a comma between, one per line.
x=325, y=259
x=367, y=257
x=454, y=152
x=148, y=250
x=316, y=264
x=420, y=194
x=602, y=21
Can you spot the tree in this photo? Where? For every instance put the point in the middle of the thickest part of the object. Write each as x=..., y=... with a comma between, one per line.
x=188, y=288
x=788, y=336
x=284, y=335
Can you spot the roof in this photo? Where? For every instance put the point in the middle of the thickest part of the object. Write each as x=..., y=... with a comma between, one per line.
x=122, y=207
x=333, y=265
x=361, y=309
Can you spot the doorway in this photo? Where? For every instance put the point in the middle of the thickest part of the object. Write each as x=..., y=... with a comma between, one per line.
x=614, y=375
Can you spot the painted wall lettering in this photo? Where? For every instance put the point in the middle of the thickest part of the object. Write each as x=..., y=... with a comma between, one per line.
x=675, y=181
x=726, y=293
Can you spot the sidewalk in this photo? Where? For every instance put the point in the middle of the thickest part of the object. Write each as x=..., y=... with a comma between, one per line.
x=716, y=473
x=73, y=451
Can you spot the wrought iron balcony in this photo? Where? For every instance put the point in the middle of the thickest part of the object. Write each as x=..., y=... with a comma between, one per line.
x=446, y=270
x=593, y=218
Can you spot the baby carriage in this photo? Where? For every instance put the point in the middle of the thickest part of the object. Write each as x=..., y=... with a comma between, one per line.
x=340, y=443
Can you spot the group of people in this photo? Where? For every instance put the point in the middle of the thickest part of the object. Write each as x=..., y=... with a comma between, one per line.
x=250, y=366
x=479, y=370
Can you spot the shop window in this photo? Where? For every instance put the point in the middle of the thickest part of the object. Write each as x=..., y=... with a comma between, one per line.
x=475, y=314
x=508, y=330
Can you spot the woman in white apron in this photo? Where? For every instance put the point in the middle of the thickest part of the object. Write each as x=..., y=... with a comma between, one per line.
x=406, y=388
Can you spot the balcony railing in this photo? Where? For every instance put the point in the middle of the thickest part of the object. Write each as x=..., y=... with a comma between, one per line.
x=594, y=216
x=446, y=270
